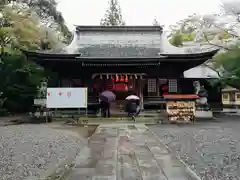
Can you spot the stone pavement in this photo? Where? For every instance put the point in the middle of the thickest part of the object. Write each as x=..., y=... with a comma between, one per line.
x=126, y=152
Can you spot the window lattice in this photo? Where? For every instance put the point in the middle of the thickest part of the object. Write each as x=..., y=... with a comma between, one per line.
x=152, y=85
x=172, y=85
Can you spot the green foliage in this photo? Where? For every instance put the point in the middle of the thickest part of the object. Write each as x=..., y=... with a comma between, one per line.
x=113, y=16
x=224, y=35
x=188, y=37
x=181, y=37
x=47, y=12
x=23, y=31
x=229, y=62
x=177, y=39
x=19, y=80
x=193, y=24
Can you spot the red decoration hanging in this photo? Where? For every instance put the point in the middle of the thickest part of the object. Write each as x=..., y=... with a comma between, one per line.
x=126, y=79
x=164, y=89
x=116, y=78
x=122, y=79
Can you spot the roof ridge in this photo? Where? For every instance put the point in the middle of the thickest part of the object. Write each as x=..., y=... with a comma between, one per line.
x=82, y=28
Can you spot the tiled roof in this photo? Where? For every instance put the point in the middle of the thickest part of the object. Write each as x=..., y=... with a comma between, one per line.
x=111, y=51
x=124, y=41
x=118, y=43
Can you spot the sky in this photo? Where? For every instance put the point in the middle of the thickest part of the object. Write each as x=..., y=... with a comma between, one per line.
x=135, y=12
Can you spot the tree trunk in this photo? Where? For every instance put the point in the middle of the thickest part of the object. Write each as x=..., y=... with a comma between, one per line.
x=2, y=51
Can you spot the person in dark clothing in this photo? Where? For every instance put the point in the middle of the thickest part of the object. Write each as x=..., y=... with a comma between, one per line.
x=131, y=109
x=105, y=109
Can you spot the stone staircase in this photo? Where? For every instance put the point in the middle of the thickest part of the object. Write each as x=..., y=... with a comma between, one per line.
x=144, y=117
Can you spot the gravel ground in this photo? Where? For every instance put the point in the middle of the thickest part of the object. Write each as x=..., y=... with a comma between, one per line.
x=212, y=149
x=30, y=150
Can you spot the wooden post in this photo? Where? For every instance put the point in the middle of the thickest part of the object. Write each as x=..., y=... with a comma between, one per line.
x=157, y=88
x=141, y=93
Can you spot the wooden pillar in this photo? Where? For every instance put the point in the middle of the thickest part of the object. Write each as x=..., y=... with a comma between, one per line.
x=141, y=94
x=157, y=88
x=60, y=81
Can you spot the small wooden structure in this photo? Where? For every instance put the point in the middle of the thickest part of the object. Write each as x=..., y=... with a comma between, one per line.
x=181, y=107
x=231, y=97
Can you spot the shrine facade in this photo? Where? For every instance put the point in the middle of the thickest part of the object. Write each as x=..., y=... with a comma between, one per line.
x=125, y=59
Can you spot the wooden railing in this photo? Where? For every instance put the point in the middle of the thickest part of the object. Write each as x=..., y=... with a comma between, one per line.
x=146, y=100
x=92, y=100
x=153, y=100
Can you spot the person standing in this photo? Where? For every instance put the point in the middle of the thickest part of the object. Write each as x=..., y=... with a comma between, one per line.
x=133, y=106
x=106, y=98
x=105, y=108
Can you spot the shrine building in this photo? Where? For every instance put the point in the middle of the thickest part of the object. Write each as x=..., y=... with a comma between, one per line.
x=125, y=59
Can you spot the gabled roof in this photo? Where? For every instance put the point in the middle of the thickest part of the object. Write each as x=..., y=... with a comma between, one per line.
x=229, y=89
x=118, y=43
x=160, y=57
x=201, y=71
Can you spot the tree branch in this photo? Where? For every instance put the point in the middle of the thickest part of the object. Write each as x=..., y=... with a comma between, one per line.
x=205, y=37
x=213, y=69
x=227, y=31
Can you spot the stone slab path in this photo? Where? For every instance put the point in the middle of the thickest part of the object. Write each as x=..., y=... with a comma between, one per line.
x=126, y=152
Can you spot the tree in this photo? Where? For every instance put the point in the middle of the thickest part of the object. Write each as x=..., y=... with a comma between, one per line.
x=177, y=39
x=22, y=29
x=113, y=16
x=227, y=25
x=227, y=65
x=19, y=80
x=5, y=32
x=219, y=30
x=19, y=77
x=47, y=12
x=50, y=17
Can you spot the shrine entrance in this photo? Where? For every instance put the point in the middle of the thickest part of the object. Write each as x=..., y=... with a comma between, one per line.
x=122, y=85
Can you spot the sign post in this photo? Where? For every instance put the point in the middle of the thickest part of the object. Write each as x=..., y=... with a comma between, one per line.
x=181, y=107
x=61, y=98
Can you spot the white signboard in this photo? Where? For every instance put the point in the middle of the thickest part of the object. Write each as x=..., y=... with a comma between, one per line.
x=67, y=97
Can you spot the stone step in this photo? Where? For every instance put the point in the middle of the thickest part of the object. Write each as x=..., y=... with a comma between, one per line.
x=98, y=121
x=127, y=152
x=98, y=115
